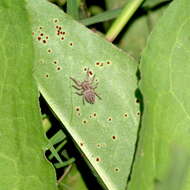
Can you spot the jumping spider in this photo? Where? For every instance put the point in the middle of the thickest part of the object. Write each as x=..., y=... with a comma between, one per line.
x=87, y=88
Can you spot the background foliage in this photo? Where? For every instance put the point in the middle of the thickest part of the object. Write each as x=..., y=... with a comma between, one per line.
x=115, y=143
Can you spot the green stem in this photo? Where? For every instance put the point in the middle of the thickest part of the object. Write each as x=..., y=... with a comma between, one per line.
x=58, y=149
x=123, y=18
x=65, y=163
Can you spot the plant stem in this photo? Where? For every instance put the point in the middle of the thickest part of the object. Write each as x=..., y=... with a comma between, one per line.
x=123, y=18
x=64, y=174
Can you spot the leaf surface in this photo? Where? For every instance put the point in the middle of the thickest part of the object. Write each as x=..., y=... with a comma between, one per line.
x=23, y=164
x=105, y=131
x=153, y=3
x=137, y=32
x=165, y=68
x=112, y=4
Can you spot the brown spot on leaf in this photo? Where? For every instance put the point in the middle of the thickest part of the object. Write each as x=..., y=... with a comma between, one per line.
x=55, y=20
x=77, y=109
x=116, y=169
x=41, y=61
x=97, y=159
x=49, y=51
x=58, y=68
x=84, y=121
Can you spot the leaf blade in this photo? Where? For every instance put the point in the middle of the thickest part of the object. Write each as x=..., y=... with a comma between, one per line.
x=22, y=138
x=72, y=8
x=165, y=96
x=102, y=129
x=101, y=17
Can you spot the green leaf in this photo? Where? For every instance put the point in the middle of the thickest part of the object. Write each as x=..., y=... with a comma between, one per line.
x=105, y=16
x=137, y=32
x=112, y=4
x=135, y=36
x=165, y=68
x=57, y=138
x=153, y=3
x=60, y=146
x=65, y=163
x=177, y=172
x=72, y=8
x=104, y=131
x=23, y=164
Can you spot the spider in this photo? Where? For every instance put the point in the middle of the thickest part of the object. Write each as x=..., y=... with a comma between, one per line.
x=87, y=88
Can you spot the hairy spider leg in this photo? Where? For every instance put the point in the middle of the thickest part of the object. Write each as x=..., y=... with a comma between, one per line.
x=78, y=83
x=87, y=72
x=81, y=94
x=95, y=86
x=76, y=87
x=97, y=95
x=92, y=79
x=83, y=100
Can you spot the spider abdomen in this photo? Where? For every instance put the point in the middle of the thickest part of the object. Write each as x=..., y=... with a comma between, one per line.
x=89, y=96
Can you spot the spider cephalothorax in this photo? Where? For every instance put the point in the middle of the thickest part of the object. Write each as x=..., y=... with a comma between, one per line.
x=87, y=88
